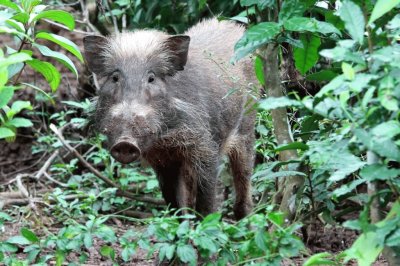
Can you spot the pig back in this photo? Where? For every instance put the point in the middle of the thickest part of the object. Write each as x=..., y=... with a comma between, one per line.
x=213, y=77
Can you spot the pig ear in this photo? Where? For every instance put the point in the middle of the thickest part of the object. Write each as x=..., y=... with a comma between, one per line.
x=93, y=46
x=178, y=45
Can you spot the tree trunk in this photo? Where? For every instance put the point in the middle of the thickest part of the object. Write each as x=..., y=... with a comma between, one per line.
x=390, y=254
x=287, y=187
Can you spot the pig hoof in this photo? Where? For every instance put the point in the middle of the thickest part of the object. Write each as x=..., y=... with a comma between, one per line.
x=242, y=209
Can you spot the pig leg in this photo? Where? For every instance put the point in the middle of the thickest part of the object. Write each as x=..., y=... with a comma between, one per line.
x=206, y=188
x=168, y=179
x=187, y=187
x=241, y=162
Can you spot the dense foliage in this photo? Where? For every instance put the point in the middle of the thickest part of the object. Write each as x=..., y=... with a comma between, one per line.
x=340, y=157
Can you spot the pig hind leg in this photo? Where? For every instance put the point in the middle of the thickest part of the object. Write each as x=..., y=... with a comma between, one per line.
x=241, y=159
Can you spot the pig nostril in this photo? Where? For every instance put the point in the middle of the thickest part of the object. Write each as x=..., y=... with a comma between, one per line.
x=125, y=152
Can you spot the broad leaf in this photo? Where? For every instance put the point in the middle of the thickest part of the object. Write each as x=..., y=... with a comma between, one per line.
x=20, y=122
x=261, y=4
x=259, y=69
x=291, y=8
x=63, y=59
x=6, y=133
x=28, y=234
x=63, y=42
x=386, y=130
x=10, y=4
x=18, y=106
x=382, y=7
x=292, y=146
x=59, y=16
x=365, y=249
x=304, y=24
x=49, y=72
x=14, y=59
x=323, y=75
x=255, y=37
x=186, y=253
x=6, y=95
x=379, y=172
x=383, y=147
x=305, y=58
x=353, y=19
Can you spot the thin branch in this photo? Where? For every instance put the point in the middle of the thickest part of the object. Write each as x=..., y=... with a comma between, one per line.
x=46, y=165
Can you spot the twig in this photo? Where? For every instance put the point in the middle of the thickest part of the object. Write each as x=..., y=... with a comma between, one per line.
x=25, y=192
x=54, y=181
x=114, y=20
x=86, y=20
x=18, y=195
x=45, y=166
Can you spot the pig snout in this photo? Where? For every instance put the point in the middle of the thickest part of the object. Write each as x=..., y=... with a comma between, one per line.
x=125, y=151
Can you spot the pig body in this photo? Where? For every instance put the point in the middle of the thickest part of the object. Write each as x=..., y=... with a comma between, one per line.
x=164, y=99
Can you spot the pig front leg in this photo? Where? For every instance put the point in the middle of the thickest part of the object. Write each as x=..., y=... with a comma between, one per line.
x=197, y=186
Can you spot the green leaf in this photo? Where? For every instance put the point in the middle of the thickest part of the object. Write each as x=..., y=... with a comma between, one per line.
x=365, y=249
x=59, y=16
x=107, y=251
x=353, y=19
x=303, y=24
x=60, y=257
x=388, y=100
x=22, y=17
x=291, y=8
x=259, y=69
x=323, y=75
x=183, y=229
x=16, y=25
x=63, y=42
x=6, y=133
x=18, y=240
x=18, y=106
x=261, y=4
x=127, y=253
x=386, y=130
x=14, y=59
x=20, y=122
x=271, y=103
x=382, y=7
x=10, y=4
x=382, y=147
x=63, y=59
x=49, y=72
x=186, y=253
x=28, y=234
x=348, y=71
x=292, y=146
x=255, y=37
x=305, y=58
x=6, y=95
x=319, y=259
x=378, y=172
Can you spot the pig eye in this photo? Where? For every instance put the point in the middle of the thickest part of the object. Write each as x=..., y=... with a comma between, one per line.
x=115, y=77
x=151, y=77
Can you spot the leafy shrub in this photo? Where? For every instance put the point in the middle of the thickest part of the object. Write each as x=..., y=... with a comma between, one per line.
x=20, y=19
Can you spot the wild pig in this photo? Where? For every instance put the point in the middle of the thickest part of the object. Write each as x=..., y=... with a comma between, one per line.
x=164, y=99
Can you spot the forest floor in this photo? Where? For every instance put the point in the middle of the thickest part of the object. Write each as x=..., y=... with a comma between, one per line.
x=17, y=157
